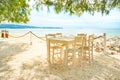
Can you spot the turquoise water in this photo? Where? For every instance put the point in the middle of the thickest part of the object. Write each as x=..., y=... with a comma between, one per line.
x=109, y=32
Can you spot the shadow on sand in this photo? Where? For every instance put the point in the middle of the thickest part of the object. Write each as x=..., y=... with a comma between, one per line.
x=7, y=50
x=104, y=67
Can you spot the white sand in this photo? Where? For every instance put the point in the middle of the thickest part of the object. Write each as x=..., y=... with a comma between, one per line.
x=21, y=61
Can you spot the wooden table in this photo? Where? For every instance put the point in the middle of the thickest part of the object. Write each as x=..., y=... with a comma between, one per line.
x=66, y=41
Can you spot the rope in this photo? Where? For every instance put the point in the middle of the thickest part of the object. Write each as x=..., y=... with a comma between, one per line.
x=99, y=37
x=19, y=36
x=41, y=38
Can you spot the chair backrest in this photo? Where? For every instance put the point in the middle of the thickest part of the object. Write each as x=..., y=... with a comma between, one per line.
x=50, y=36
x=80, y=41
x=58, y=35
x=90, y=40
x=81, y=34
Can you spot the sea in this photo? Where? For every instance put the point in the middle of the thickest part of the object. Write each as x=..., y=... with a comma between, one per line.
x=109, y=32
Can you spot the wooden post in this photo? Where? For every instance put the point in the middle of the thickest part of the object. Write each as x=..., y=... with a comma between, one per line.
x=48, y=51
x=6, y=34
x=2, y=34
x=30, y=38
x=104, y=43
x=48, y=55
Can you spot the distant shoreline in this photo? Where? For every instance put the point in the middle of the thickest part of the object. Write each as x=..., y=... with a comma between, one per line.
x=33, y=28
x=15, y=26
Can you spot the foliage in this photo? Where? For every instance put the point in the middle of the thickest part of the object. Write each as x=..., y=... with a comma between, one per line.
x=19, y=10
x=78, y=7
x=14, y=11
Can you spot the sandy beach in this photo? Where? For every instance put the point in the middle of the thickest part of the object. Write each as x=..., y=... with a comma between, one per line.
x=21, y=61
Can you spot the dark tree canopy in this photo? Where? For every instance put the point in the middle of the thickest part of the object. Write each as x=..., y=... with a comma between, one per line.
x=19, y=10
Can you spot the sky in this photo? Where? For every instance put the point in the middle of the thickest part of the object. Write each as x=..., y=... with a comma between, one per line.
x=45, y=18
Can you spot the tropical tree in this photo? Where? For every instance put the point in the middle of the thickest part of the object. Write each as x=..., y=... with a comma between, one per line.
x=14, y=11
x=19, y=10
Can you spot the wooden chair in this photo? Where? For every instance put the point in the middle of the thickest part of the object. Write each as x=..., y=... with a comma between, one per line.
x=70, y=53
x=55, y=49
x=89, y=48
x=56, y=52
x=80, y=42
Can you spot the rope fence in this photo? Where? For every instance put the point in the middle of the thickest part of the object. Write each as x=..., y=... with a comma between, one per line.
x=30, y=32
x=41, y=38
x=4, y=32
x=19, y=36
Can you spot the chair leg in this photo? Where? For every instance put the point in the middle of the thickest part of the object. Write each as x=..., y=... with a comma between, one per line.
x=53, y=56
x=61, y=53
x=92, y=55
x=89, y=57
